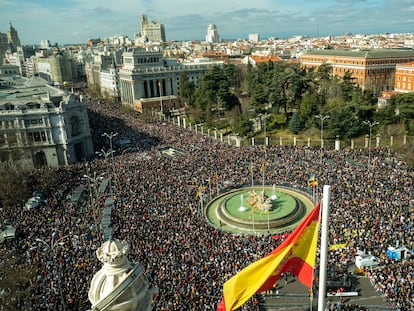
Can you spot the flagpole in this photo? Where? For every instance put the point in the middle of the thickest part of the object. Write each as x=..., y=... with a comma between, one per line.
x=324, y=247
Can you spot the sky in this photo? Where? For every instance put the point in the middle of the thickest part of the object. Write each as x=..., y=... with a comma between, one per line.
x=75, y=21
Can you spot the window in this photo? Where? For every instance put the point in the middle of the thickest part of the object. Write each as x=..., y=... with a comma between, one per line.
x=75, y=126
x=36, y=137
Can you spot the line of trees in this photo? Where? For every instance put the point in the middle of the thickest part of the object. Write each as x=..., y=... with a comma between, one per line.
x=232, y=97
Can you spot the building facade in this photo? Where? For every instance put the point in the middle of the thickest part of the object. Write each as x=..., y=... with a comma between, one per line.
x=152, y=31
x=43, y=126
x=404, y=78
x=145, y=74
x=13, y=38
x=110, y=82
x=371, y=69
x=4, y=43
x=58, y=68
x=212, y=35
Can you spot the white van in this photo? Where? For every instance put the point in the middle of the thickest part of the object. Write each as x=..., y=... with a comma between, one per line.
x=366, y=261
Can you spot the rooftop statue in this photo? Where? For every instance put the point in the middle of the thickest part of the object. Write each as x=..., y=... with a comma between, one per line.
x=119, y=285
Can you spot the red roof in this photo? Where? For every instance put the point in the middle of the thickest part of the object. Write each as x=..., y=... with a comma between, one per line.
x=265, y=59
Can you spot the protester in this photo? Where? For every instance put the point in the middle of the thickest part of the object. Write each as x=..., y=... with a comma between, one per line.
x=157, y=212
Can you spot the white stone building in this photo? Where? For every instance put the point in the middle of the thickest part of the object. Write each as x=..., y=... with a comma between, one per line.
x=110, y=82
x=41, y=125
x=146, y=74
x=212, y=34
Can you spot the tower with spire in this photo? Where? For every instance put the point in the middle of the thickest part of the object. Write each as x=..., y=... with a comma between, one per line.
x=13, y=38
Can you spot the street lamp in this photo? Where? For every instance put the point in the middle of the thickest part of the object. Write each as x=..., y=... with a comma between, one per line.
x=110, y=136
x=322, y=118
x=92, y=183
x=52, y=246
x=106, y=154
x=370, y=124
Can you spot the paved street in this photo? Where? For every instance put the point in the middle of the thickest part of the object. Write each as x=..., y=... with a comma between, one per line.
x=294, y=296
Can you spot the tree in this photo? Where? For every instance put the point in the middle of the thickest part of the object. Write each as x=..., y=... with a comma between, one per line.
x=187, y=88
x=295, y=124
x=347, y=86
x=242, y=125
x=405, y=105
x=15, y=287
x=308, y=108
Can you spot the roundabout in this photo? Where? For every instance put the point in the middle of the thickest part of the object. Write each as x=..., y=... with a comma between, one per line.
x=259, y=209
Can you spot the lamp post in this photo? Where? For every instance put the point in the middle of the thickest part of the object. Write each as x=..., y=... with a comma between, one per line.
x=322, y=118
x=92, y=182
x=106, y=154
x=110, y=137
x=370, y=124
x=160, y=88
x=265, y=137
x=52, y=247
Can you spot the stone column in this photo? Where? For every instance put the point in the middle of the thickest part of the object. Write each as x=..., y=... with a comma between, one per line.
x=252, y=141
x=352, y=144
x=266, y=141
x=221, y=137
x=309, y=142
x=280, y=141
x=294, y=141
x=378, y=140
x=337, y=144
x=391, y=140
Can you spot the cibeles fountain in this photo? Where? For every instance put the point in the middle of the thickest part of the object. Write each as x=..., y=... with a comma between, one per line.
x=119, y=285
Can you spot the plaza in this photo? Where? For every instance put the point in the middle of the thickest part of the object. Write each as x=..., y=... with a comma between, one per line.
x=232, y=212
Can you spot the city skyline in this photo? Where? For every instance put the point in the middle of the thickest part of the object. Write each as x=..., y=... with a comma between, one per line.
x=67, y=22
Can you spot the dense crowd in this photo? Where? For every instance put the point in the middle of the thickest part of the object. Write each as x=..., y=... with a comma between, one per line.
x=157, y=212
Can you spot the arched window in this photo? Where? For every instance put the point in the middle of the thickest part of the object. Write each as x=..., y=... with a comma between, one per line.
x=75, y=126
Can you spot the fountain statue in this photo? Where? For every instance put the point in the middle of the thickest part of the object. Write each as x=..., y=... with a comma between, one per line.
x=242, y=208
x=260, y=201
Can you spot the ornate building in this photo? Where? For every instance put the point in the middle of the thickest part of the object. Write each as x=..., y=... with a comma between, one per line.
x=152, y=31
x=119, y=285
x=146, y=74
x=13, y=38
x=41, y=125
x=370, y=69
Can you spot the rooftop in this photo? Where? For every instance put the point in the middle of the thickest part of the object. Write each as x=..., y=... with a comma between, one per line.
x=374, y=53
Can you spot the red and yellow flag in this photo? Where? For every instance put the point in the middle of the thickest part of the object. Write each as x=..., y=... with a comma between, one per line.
x=295, y=255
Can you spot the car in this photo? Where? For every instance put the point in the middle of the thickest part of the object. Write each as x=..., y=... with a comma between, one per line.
x=8, y=233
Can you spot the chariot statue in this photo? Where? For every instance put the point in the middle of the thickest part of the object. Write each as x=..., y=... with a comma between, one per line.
x=260, y=201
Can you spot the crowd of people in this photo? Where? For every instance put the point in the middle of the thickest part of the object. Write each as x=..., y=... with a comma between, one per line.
x=157, y=212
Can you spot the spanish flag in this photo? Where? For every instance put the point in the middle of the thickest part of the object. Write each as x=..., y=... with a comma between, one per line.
x=295, y=255
x=312, y=182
